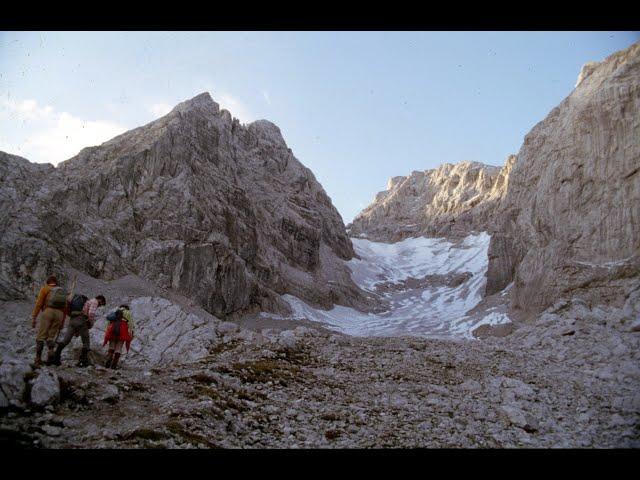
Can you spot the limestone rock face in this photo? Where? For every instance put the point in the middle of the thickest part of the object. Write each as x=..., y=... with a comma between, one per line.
x=26, y=250
x=220, y=212
x=165, y=333
x=569, y=224
x=449, y=201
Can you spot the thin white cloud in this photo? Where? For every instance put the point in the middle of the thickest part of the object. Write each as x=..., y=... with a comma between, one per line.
x=266, y=96
x=234, y=106
x=228, y=101
x=160, y=109
x=25, y=109
x=45, y=136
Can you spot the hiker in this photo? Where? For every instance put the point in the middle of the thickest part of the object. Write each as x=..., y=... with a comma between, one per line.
x=51, y=305
x=119, y=332
x=82, y=312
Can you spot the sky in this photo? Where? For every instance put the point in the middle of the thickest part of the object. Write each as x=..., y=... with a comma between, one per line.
x=355, y=107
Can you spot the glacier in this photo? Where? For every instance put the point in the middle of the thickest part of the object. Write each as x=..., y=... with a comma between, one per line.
x=426, y=309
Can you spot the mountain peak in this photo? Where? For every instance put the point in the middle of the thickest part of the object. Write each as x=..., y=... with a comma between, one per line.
x=202, y=102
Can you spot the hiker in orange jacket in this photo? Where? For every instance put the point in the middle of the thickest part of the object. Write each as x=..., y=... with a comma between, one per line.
x=51, y=305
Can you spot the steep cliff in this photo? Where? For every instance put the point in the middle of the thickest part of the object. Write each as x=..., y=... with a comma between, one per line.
x=194, y=201
x=569, y=224
x=563, y=215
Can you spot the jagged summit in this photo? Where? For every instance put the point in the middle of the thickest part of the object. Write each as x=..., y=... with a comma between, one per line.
x=202, y=101
x=607, y=66
x=450, y=200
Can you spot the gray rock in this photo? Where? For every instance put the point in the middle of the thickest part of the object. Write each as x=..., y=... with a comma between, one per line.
x=563, y=225
x=45, y=389
x=108, y=394
x=519, y=418
x=451, y=200
x=12, y=381
x=52, y=431
x=165, y=332
x=471, y=386
x=194, y=202
x=228, y=328
x=519, y=388
x=289, y=340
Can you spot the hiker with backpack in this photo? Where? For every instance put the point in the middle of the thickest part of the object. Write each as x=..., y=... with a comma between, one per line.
x=119, y=332
x=51, y=305
x=82, y=313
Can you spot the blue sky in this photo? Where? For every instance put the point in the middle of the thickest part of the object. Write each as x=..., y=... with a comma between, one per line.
x=355, y=107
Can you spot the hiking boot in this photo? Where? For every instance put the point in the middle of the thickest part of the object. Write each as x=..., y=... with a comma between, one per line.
x=38, y=361
x=114, y=364
x=56, y=356
x=50, y=356
x=84, y=358
x=109, y=359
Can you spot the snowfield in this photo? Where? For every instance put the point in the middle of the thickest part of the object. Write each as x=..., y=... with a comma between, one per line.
x=425, y=310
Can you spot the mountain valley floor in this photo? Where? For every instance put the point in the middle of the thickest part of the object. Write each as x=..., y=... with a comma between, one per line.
x=567, y=379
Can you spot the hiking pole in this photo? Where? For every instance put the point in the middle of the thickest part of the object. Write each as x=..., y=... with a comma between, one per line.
x=73, y=284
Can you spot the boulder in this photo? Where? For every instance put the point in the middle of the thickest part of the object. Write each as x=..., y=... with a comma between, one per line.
x=12, y=381
x=519, y=418
x=289, y=340
x=45, y=389
x=165, y=332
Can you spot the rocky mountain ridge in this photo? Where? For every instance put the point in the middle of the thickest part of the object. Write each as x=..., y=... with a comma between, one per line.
x=194, y=201
x=195, y=214
x=569, y=223
x=452, y=200
x=563, y=214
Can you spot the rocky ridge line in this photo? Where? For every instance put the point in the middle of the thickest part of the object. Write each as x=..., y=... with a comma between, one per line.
x=220, y=212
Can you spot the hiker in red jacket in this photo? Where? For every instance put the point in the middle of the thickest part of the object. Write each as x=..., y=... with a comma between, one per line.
x=118, y=333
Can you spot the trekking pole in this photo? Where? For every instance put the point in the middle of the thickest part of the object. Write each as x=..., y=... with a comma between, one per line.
x=73, y=284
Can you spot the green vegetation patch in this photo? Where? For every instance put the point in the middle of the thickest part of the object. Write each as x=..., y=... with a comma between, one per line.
x=220, y=398
x=178, y=430
x=262, y=371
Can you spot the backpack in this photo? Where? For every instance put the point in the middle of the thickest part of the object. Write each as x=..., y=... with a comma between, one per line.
x=77, y=304
x=57, y=298
x=114, y=316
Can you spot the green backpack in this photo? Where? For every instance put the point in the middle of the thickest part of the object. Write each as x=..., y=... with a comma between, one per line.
x=57, y=298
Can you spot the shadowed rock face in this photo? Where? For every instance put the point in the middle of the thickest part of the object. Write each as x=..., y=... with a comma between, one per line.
x=569, y=224
x=449, y=201
x=220, y=212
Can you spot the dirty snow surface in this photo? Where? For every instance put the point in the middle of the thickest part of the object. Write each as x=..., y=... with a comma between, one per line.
x=428, y=286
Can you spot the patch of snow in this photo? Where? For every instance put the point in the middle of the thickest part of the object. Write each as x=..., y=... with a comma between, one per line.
x=425, y=311
x=609, y=265
x=464, y=327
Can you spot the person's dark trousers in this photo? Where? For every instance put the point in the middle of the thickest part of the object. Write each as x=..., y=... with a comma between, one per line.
x=80, y=325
